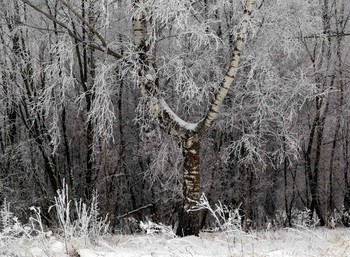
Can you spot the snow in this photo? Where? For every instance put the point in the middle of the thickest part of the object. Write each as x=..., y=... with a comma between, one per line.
x=300, y=242
x=36, y=251
x=57, y=247
x=177, y=119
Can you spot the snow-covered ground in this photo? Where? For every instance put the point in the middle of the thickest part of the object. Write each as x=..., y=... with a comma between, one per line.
x=284, y=242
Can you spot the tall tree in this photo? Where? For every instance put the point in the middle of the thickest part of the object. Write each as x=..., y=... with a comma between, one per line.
x=187, y=134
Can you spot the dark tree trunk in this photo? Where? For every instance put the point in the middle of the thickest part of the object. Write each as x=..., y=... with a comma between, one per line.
x=346, y=200
x=315, y=139
x=331, y=204
x=315, y=187
x=286, y=201
x=67, y=149
x=189, y=223
x=89, y=161
x=250, y=200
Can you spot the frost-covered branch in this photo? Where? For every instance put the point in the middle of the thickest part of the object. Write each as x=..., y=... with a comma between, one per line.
x=231, y=73
x=169, y=121
x=103, y=48
x=158, y=109
x=81, y=18
x=102, y=113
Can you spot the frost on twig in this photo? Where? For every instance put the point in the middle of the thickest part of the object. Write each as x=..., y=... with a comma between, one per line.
x=76, y=219
x=58, y=80
x=102, y=113
x=226, y=219
x=10, y=225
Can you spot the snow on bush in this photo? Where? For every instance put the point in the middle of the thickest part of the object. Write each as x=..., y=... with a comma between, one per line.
x=152, y=228
x=226, y=219
x=86, y=222
x=77, y=224
x=86, y=236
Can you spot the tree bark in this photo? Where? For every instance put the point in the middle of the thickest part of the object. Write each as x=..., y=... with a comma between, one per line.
x=315, y=137
x=285, y=176
x=346, y=199
x=189, y=223
x=331, y=204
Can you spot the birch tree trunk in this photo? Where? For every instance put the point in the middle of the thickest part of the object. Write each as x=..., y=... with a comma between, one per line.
x=189, y=223
x=187, y=134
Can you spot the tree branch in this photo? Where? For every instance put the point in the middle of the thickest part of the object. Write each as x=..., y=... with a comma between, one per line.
x=158, y=109
x=133, y=211
x=104, y=48
x=232, y=70
x=332, y=34
x=91, y=28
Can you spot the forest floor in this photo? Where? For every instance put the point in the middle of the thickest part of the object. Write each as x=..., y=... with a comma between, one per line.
x=301, y=242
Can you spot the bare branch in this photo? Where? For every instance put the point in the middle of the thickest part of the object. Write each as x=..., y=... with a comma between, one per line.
x=91, y=28
x=133, y=211
x=332, y=34
x=103, y=48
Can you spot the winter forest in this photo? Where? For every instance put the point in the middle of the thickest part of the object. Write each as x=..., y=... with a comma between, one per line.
x=183, y=113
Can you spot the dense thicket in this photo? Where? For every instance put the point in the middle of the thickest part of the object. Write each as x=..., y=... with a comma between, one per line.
x=72, y=110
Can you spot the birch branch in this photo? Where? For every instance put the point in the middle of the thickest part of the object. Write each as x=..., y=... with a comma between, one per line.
x=158, y=109
x=232, y=70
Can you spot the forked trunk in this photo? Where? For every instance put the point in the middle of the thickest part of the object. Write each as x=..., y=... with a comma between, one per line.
x=186, y=133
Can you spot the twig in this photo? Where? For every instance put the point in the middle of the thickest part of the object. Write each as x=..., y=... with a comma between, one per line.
x=133, y=211
x=103, y=48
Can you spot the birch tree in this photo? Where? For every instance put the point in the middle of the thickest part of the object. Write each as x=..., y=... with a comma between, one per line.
x=188, y=135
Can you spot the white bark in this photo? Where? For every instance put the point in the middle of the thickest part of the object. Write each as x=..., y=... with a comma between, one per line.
x=139, y=28
x=158, y=108
x=232, y=70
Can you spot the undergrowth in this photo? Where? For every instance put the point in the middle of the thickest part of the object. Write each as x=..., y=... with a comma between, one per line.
x=78, y=223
